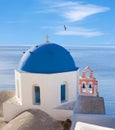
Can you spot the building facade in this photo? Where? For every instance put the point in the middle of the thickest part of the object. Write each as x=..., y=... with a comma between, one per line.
x=46, y=78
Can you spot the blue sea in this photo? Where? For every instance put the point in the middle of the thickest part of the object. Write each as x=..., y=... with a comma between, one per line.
x=100, y=59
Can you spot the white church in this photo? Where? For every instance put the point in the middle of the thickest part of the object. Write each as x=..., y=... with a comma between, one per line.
x=47, y=79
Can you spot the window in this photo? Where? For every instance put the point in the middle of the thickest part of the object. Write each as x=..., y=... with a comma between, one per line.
x=37, y=94
x=63, y=92
x=90, y=88
x=83, y=87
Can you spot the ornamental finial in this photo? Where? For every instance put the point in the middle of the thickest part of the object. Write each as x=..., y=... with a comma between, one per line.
x=47, y=37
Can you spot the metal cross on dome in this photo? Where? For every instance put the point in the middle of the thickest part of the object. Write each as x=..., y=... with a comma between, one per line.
x=47, y=37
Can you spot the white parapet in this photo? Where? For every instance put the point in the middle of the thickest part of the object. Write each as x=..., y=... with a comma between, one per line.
x=95, y=119
x=85, y=126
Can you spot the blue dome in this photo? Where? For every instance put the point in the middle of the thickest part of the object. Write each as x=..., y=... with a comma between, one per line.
x=47, y=58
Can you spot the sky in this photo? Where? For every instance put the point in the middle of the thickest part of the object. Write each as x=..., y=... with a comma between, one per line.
x=27, y=22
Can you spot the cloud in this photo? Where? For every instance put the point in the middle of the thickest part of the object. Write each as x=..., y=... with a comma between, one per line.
x=79, y=32
x=80, y=12
x=73, y=31
x=74, y=11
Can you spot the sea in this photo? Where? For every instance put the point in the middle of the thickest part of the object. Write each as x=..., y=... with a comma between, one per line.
x=101, y=59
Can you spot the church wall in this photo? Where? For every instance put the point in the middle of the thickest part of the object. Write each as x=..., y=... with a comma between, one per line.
x=49, y=86
x=50, y=93
x=18, y=85
x=28, y=81
x=49, y=89
x=69, y=79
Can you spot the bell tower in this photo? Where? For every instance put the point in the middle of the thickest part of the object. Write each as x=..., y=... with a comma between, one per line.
x=88, y=85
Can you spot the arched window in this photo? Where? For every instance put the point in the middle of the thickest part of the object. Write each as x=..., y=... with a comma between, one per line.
x=63, y=92
x=83, y=87
x=37, y=94
x=90, y=88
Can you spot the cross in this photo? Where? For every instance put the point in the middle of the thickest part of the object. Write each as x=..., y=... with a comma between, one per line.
x=47, y=37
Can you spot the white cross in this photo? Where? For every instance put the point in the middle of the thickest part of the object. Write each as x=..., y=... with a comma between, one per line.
x=47, y=37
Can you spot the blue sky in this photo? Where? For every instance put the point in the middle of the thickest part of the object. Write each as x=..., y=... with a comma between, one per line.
x=27, y=22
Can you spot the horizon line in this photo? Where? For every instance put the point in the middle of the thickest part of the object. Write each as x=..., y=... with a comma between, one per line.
x=66, y=45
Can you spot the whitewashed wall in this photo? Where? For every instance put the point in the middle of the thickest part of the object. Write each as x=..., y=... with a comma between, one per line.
x=85, y=126
x=49, y=91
